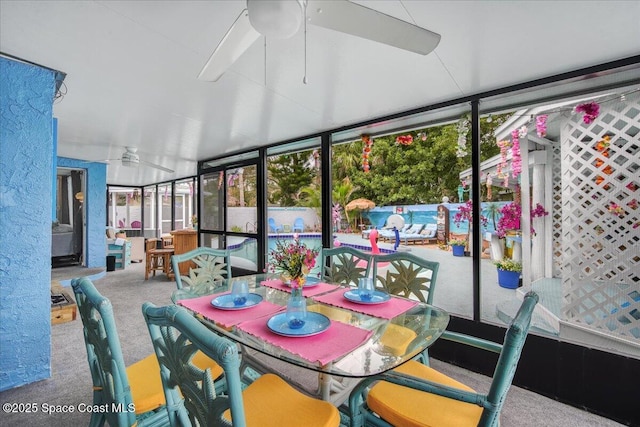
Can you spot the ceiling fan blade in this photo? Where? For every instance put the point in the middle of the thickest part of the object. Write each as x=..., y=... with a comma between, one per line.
x=360, y=21
x=238, y=39
x=153, y=165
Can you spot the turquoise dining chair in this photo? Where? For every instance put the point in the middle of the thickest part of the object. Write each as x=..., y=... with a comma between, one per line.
x=417, y=395
x=345, y=265
x=135, y=387
x=405, y=275
x=191, y=398
x=211, y=266
x=136, y=390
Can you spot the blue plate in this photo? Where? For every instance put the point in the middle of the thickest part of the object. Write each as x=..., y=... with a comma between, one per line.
x=378, y=297
x=309, y=283
x=225, y=302
x=314, y=324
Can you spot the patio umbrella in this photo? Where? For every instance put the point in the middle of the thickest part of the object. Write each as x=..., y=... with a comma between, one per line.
x=360, y=204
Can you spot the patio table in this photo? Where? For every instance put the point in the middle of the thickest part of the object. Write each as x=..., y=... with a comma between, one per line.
x=357, y=344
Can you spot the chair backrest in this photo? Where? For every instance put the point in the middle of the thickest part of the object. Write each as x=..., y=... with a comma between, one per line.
x=212, y=265
x=505, y=370
x=406, y=274
x=298, y=224
x=136, y=224
x=272, y=225
x=345, y=265
x=189, y=390
x=108, y=372
x=151, y=244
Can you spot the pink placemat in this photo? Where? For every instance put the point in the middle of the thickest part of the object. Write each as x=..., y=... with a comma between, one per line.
x=339, y=339
x=307, y=291
x=228, y=318
x=388, y=310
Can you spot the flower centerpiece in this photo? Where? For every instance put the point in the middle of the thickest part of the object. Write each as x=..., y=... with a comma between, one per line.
x=293, y=261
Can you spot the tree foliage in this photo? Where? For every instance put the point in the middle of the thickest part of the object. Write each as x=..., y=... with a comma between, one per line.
x=422, y=172
x=288, y=174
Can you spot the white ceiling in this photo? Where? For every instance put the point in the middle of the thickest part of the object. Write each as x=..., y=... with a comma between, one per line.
x=132, y=65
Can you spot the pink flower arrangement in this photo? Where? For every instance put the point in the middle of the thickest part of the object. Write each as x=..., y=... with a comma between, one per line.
x=511, y=214
x=541, y=125
x=293, y=261
x=516, y=160
x=591, y=110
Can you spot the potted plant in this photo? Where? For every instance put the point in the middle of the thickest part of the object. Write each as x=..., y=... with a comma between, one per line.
x=457, y=246
x=508, y=273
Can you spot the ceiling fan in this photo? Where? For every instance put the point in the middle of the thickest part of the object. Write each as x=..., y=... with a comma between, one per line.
x=282, y=19
x=131, y=158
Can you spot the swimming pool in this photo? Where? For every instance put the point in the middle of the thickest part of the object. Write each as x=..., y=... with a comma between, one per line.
x=427, y=214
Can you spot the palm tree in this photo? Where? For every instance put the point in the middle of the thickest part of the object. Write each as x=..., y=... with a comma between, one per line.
x=311, y=197
x=493, y=210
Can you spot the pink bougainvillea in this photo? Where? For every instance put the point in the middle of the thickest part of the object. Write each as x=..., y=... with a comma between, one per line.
x=591, y=110
x=541, y=125
x=511, y=215
x=516, y=159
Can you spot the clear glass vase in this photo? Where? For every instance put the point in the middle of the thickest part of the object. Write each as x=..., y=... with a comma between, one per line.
x=296, y=309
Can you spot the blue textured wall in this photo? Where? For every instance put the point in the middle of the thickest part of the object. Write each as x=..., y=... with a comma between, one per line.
x=26, y=145
x=95, y=205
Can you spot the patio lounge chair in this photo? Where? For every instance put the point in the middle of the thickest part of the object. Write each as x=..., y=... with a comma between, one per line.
x=389, y=234
x=411, y=232
x=426, y=235
x=298, y=225
x=273, y=228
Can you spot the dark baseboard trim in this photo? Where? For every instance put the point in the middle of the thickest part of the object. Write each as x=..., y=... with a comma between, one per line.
x=603, y=383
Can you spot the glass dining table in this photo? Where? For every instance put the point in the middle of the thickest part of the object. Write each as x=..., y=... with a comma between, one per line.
x=353, y=339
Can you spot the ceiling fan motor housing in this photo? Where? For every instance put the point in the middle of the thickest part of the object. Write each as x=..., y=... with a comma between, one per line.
x=130, y=159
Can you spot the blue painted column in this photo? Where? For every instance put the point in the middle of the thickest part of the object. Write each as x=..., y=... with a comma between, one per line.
x=26, y=144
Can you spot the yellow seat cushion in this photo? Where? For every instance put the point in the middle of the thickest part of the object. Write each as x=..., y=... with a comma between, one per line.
x=407, y=407
x=203, y=362
x=332, y=312
x=396, y=339
x=271, y=402
x=146, y=386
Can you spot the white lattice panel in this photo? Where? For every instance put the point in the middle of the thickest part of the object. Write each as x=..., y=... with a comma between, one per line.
x=600, y=198
x=556, y=211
